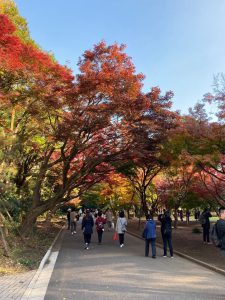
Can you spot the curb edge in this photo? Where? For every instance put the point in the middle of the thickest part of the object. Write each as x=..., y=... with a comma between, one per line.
x=40, y=268
x=199, y=262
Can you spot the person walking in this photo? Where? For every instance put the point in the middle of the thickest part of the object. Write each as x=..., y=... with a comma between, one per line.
x=220, y=224
x=68, y=218
x=109, y=219
x=73, y=221
x=206, y=225
x=87, y=227
x=100, y=221
x=166, y=231
x=150, y=235
x=121, y=227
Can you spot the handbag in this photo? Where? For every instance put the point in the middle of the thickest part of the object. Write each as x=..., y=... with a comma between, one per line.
x=115, y=237
x=144, y=233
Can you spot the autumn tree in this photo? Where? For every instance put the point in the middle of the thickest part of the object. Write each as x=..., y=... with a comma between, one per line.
x=146, y=158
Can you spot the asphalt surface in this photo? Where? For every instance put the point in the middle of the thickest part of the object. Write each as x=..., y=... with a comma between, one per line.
x=109, y=272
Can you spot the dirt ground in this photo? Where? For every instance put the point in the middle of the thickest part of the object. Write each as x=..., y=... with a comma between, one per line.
x=26, y=255
x=187, y=242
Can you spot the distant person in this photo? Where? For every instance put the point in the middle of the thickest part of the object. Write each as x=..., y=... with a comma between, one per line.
x=204, y=220
x=87, y=227
x=121, y=227
x=68, y=218
x=221, y=229
x=109, y=219
x=166, y=231
x=181, y=215
x=188, y=216
x=149, y=235
x=196, y=214
x=100, y=222
x=96, y=213
x=73, y=221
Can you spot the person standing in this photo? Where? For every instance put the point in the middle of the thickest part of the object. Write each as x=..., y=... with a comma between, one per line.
x=68, y=218
x=121, y=227
x=166, y=231
x=220, y=224
x=87, y=227
x=100, y=221
x=109, y=219
x=206, y=225
x=73, y=221
x=188, y=216
x=150, y=235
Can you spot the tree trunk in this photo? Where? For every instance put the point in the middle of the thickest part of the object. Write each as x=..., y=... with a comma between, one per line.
x=30, y=218
x=175, y=218
x=2, y=234
x=49, y=216
x=5, y=246
x=144, y=204
x=28, y=223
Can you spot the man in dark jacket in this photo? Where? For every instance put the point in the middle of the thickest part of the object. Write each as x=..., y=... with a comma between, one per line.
x=166, y=231
x=221, y=228
x=150, y=235
x=87, y=227
x=206, y=225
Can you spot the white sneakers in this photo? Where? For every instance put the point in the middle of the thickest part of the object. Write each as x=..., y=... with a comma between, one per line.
x=121, y=245
x=74, y=232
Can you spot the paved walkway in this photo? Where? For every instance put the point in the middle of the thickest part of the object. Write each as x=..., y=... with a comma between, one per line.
x=109, y=272
x=14, y=286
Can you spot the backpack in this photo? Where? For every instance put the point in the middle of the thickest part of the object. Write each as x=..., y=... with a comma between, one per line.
x=215, y=237
x=202, y=219
x=167, y=229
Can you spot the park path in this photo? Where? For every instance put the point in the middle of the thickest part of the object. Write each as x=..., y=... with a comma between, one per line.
x=109, y=272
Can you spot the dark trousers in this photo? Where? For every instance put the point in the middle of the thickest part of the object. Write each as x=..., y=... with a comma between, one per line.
x=206, y=234
x=100, y=232
x=68, y=223
x=87, y=238
x=167, y=239
x=121, y=238
x=147, y=242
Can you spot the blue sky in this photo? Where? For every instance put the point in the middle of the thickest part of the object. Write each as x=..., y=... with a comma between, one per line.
x=178, y=45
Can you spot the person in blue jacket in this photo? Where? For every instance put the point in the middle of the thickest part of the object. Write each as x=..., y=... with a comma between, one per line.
x=150, y=235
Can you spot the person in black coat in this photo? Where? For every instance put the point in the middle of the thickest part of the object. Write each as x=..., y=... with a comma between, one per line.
x=221, y=229
x=206, y=225
x=166, y=231
x=68, y=218
x=87, y=227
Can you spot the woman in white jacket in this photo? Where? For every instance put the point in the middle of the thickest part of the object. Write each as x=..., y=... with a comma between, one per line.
x=121, y=227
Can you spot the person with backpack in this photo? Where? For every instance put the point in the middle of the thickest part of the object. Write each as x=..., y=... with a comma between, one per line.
x=166, y=231
x=220, y=230
x=99, y=222
x=149, y=235
x=87, y=227
x=121, y=227
x=204, y=220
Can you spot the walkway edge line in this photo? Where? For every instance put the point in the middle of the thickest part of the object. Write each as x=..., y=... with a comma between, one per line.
x=197, y=261
x=40, y=268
